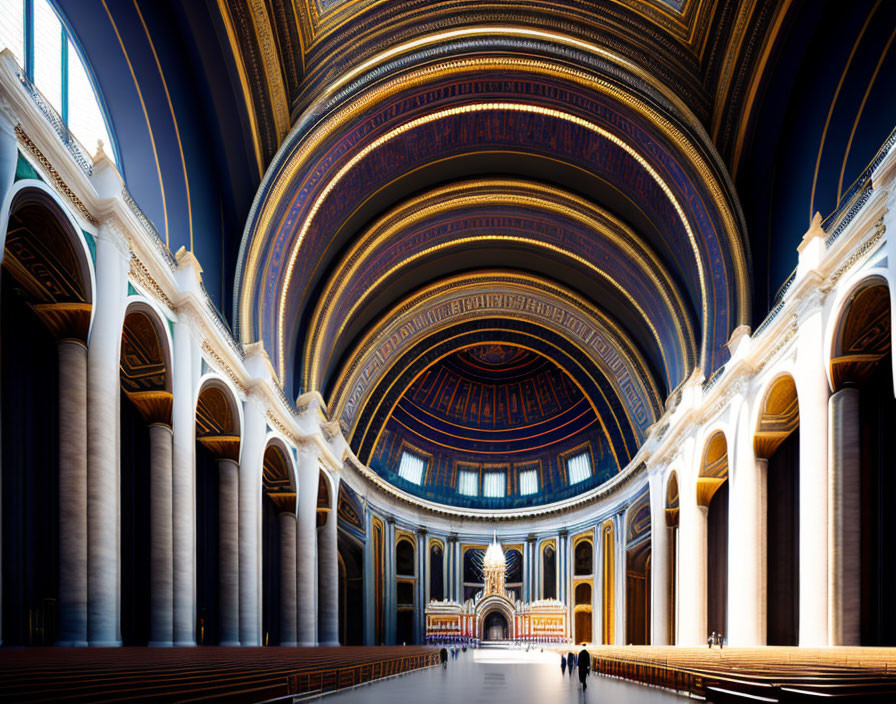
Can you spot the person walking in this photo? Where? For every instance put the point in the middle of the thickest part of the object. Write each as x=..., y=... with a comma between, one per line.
x=571, y=661
x=443, y=657
x=562, y=663
x=584, y=666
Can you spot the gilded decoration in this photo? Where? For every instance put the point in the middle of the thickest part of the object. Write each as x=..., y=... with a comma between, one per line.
x=278, y=184
x=379, y=255
x=497, y=295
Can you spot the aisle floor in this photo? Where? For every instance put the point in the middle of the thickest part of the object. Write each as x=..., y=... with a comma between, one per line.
x=499, y=676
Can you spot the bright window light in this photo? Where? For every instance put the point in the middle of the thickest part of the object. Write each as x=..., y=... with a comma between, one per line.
x=85, y=119
x=528, y=482
x=58, y=71
x=468, y=483
x=48, y=39
x=411, y=468
x=494, y=484
x=12, y=28
x=579, y=468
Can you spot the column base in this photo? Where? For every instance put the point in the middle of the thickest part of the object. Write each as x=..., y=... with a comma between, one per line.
x=230, y=643
x=307, y=644
x=288, y=644
x=160, y=644
x=105, y=644
x=330, y=644
x=185, y=644
x=70, y=644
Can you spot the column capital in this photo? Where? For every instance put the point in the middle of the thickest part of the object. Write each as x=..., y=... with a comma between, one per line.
x=452, y=538
x=112, y=230
x=66, y=321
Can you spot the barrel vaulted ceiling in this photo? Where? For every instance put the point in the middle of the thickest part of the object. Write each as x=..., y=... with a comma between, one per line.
x=378, y=191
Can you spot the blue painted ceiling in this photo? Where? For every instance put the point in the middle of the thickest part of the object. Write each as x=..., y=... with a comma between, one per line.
x=685, y=143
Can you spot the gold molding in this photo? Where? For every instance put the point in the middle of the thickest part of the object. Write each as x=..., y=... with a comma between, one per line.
x=353, y=110
x=50, y=170
x=356, y=364
x=515, y=192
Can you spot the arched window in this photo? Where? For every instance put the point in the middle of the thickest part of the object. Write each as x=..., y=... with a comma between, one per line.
x=55, y=66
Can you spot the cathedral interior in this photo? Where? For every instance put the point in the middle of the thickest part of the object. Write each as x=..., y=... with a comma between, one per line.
x=335, y=333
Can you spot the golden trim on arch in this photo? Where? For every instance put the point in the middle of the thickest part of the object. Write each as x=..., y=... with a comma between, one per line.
x=330, y=125
x=600, y=419
x=351, y=370
x=408, y=214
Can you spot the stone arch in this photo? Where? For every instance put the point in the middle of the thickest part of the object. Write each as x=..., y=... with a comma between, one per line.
x=500, y=606
x=218, y=428
x=145, y=441
x=712, y=495
x=713, y=467
x=278, y=544
x=583, y=556
x=776, y=445
x=861, y=332
x=862, y=414
x=47, y=300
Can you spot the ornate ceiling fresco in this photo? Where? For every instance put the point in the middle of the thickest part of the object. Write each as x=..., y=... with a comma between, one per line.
x=447, y=191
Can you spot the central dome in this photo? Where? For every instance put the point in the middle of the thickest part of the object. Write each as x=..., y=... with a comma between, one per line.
x=494, y=425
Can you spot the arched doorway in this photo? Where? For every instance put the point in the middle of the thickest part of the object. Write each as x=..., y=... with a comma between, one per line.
x=404, y=590
x=862, y=418
x=637, y=573
x=712, y=493
x=777, y=441
x=352, y=539
x=145, y=486
x=548, y=571
x=217, y=515
x=494, y=627
x=583, y=612
x=672, y=511
x=46, y=307
x=278, y=541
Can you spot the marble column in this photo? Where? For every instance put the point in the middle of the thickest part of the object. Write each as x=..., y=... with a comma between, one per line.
x=389, y=601
x=369, y=582
x=72, y=493
x=183, y=478
x=251, y=459
x=228, y=551
x=747, y=588
x=692, y=577
x=422, y=592
x=328, y=576
x=161, y=625
x=103, y=423
x=620, y=591
x=306, y=546
x=812, y=392
x=659, y=562
x=845, y=518
x=287, y=578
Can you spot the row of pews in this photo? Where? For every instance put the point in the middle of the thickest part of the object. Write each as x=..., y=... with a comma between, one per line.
x=206, y=674
x=771, y=674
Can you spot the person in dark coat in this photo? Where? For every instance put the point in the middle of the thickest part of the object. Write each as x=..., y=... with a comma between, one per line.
x=562, y=663
x=571, y=662
x=584, y=666
x=443, y=657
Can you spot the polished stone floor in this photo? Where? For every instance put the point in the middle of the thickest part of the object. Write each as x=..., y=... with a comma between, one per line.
x=498, y=676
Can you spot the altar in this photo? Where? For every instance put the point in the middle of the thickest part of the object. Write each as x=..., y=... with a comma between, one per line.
x=494, y=615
